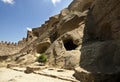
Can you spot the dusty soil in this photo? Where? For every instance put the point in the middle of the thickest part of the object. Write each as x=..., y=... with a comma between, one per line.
x=46, y=75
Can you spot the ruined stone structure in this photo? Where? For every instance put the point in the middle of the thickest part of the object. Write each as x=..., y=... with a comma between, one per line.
x=10, y=48
x=7, y=48
x=85, y=37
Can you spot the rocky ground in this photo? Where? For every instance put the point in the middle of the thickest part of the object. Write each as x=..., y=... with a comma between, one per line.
x=17, y=74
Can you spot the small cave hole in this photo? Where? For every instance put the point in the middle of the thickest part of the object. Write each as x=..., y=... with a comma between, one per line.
x=36, y=34
x=69, y=45
x=2, y=58
x=41, y=49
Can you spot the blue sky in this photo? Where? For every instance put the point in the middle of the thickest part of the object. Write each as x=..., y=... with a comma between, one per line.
x=18, y=15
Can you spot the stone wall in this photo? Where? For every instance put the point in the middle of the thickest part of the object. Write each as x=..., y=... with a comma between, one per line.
x=11, y=48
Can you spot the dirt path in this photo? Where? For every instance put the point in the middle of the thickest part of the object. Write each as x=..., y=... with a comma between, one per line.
x=9, y=75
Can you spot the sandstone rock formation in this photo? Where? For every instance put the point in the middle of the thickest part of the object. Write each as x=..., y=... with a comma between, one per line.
x=84, y=36
x=100, y=49
x=60, y=38
x=80, y=5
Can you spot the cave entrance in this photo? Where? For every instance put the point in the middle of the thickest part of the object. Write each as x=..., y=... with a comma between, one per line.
x=36, y=34
x=69, y=45
x=41, y=48
x=3, y=58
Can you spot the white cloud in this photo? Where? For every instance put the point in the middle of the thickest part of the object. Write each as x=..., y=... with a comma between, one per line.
x=55, y=1
x=8, y=1
x=29, y=29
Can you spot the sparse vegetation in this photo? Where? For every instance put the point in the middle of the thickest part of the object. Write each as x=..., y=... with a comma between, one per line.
x=42, y=58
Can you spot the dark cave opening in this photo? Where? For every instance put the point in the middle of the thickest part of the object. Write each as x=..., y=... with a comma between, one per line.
x=3, y=58
x=69, y=45
x=36, y=34
x=41, y=48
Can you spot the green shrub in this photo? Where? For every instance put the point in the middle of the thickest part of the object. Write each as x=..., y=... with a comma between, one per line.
x=42, y=58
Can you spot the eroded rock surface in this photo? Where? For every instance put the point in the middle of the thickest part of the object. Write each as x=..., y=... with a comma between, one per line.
x=84, y=35
x=60, y=38
x=100, y=48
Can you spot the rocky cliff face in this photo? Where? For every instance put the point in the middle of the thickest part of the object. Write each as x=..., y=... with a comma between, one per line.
x=99, y=60
x=60, y=38
x=84, y=35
